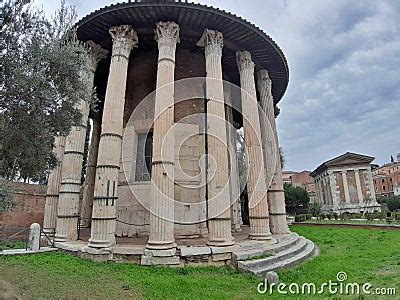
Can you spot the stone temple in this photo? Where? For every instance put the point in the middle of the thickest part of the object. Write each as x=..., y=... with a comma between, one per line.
x=164, y=183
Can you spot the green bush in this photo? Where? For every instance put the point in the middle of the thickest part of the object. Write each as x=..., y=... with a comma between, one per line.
x=375, y=215
x=300, y=218
x=393, y=202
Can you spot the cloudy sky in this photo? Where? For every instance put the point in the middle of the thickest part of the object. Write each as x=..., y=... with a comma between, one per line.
x=344, y=60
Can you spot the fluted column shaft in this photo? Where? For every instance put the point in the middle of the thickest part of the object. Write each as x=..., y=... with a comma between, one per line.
x=346, y=187
x=162, y=172
x=256, y=186
x=88, y=186
x=219, y=226
x=68, y=205
x=53, y=187
x=109, y=155
x=358, y=186
x=276, y=196
x=236, y=211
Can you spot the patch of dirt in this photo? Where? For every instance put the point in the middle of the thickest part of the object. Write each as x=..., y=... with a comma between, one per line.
x=386, y=271
x=7, y=291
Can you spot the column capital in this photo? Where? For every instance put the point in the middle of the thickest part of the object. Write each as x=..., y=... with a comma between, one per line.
x=212, y=41
x=167, y=34
x=243, y=59
x=124, y=39
x=263, y=80
x=95, y=53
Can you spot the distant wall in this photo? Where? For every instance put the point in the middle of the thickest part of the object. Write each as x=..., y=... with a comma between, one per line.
x=29, y=206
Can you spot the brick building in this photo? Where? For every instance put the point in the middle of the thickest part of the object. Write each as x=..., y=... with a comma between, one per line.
x=305, y=181
x=29, y=206
x=344, y=184
x=387, y=179
x=287, y=176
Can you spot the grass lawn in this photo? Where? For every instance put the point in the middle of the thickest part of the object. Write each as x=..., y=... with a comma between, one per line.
x=362, y=222
x=12, y=245
x=366, y=255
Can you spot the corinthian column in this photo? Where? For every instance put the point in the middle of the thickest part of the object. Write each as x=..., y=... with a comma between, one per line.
x=256, y=187
x=276, y=196
x=88, y=186
x=162, y=170
x=236, y=211
x=68, y=205
x=53, y=187
x=105, y=191
x=219, y=229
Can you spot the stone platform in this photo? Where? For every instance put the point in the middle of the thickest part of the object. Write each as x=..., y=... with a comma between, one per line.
x=252, y=256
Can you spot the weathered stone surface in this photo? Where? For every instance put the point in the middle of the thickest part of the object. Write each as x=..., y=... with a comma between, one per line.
x=219, y=226
x=70, y=246
x=96, y=251
x=256, y=182
x=221, y=256
x=128, y=250
x=221, y=250
x=272, y=277
x=162, y=190
x=160, y=253
x=34, y=237
x=193, y=251
x=274, y=181
x=197, y=260
x=153, y=261
x=104, y=209
x=53, y=187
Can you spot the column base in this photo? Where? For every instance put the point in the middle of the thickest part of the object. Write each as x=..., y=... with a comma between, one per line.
x=65, y=238
x=85, y=223
x=161, y=245
x=100, y=243
x=60, y=238
x=221, y=242
x=260, y=236
x=236, y=228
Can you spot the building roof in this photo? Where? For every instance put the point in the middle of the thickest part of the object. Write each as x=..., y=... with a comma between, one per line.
x=239, y=34
x=346, y=159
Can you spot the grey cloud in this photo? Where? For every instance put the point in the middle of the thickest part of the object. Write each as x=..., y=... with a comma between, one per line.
x=344, y=60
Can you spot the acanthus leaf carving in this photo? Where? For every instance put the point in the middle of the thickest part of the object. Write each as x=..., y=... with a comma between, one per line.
x=244, y=61
x=124, y=39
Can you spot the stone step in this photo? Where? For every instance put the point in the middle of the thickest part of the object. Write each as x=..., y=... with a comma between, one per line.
x=246, y=252
x=263, y=263
x=297, y=259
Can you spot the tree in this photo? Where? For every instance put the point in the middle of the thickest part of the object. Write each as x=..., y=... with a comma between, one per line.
x=40, y=87
x=393, y=202
x=7, y=200
x=296, y=197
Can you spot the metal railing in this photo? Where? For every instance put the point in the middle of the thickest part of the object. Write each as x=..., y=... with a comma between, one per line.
x=47, y=236
x=14, y=234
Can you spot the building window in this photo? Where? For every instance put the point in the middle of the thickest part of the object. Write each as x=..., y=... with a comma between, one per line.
x=383, y=180
x=144, y=156
x=384, y=188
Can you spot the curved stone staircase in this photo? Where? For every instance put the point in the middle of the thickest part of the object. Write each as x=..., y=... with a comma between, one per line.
x=258, y=258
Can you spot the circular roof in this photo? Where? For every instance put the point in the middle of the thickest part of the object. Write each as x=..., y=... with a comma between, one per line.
x=192, y=18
